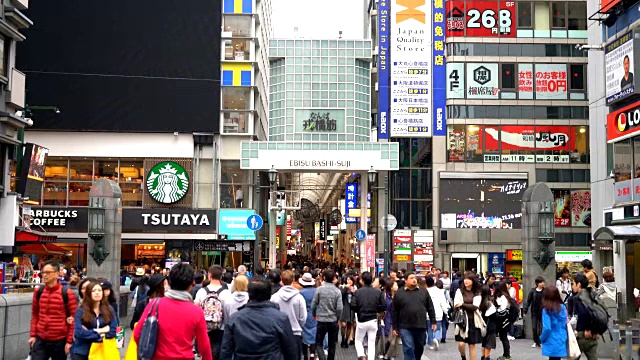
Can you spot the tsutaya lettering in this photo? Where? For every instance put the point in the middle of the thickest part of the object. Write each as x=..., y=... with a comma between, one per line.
x=52, y=217
x=176, y=219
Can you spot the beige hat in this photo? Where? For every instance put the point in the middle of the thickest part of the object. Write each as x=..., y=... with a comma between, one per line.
x=306, y=280
x=139, y=271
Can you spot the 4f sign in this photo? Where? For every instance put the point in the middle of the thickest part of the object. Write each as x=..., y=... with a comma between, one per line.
x=411, y=11
x=167, y=182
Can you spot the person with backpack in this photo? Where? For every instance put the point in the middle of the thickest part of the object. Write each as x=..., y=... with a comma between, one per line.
x=534, y=301
x=564, y=284
x=507, y=315
x=293, y=304
x=592, y=318
x=211, y=299
x=51, y=334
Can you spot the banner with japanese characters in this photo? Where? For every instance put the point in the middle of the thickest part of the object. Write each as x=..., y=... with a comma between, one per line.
x=527, y=137
x=551, y=81
x=412, y=33
x=581, y=208
x=482, y=81
x=481, y=18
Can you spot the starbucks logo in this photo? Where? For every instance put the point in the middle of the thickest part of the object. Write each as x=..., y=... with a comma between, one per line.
x=167, y=182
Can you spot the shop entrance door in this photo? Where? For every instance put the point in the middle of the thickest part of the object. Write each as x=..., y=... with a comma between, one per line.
x=464, y=264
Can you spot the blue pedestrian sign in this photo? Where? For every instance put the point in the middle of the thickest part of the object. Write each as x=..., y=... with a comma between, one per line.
x=361, y=234
x=254, y=222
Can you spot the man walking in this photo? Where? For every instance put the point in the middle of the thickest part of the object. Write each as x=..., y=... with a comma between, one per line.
x=51, y=332
x=327, y=308
x=410, y=308
x=259, y=330
x=367, y=303
x=292, y=304
x=580, y=304
x=211, y=298
x=534, y=301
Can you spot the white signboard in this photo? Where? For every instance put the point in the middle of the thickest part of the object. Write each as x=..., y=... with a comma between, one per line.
x=412, y=53
x=455, y=80
x=619, y=68
x=573, y=256
x=327, y=160
x=551, y=81
x=482, y=81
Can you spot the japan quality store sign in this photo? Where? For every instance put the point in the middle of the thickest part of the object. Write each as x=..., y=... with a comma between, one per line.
x=481, y=18
x=411, y=83
x=620, y=64
x=383, y=69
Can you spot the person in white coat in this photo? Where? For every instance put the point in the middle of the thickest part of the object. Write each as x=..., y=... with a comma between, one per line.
x=441, y=306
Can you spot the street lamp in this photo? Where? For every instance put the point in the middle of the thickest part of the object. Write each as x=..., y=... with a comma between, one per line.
x=273, y=175
x=97, y=230
x=372, y=176
x=546, y=233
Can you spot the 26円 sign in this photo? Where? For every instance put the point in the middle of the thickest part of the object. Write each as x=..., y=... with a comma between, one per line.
x=167, y=182
x=481, y=18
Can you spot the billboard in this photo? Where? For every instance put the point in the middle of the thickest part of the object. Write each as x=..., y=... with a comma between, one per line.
x=455, y=81
x=581, y=208
x=527, y=137
x=411, y=83
x=383, y=69
x=562, y=207
x=233, y=223
x=623, y=123
x=439, y=70
x=482, y=81
x=481, y=18
x=32, y=173
x=620, y=64
x=551, y=81
x=481, y=203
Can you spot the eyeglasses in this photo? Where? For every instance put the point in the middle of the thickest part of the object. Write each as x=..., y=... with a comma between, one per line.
x=48, y=272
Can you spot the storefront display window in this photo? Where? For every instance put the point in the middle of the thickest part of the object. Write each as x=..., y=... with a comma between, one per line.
x=238, y=25
x=636, y=156
x=622, y=160
x=236, y=122
x=456, y=143
x=579, y=144
x=81, y=169
x=236, y=98
x=234, y=185
x=79, y=193
x=237, y=49
x=107, y=169
x=131, y=194
x=474, y=144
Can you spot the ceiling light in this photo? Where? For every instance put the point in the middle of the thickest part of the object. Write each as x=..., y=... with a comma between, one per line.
x=582, y=130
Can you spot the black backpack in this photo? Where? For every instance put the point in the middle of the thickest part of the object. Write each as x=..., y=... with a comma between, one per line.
x=514, y=311
x=599, y=316
x=65, y=297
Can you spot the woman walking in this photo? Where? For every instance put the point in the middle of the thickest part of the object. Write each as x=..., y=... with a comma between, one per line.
x=488, y=311
x=467, y=298
x=503, y=304
x=347, y=319
x=94, y=319
x=554, y=325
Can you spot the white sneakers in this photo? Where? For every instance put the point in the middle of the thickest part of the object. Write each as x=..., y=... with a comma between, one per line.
x=510, y=338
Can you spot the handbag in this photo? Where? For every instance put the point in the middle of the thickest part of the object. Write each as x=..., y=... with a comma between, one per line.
x=459, y=318
x=132, y=349
x=573, y=350
x=149, y=333
x=105, y=350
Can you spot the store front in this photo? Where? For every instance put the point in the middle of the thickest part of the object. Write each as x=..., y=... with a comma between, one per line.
x=572, y=260
x=513, y=265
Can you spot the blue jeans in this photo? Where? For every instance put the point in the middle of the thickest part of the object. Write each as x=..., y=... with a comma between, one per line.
x=433, y=334
x=413, y=341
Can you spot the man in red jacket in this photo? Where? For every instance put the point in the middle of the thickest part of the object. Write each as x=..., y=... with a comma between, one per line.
x=51, y=332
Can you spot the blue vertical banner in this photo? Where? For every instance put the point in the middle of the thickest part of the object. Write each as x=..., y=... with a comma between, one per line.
x=439, y=77
x=351, y=202
x=383, y=69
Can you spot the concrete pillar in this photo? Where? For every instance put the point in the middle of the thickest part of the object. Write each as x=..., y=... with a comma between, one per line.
x=109, y=192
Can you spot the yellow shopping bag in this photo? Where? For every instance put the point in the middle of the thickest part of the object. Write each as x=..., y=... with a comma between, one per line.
x=132, y=349
x=106, y=350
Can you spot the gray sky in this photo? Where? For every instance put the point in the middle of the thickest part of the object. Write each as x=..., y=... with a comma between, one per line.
x=317, y=19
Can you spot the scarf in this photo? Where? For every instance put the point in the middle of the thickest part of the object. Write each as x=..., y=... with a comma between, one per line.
x=178, y=295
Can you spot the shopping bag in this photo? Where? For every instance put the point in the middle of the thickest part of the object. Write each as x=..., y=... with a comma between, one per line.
x=105, y=350
x=132, y=349
x=573, y=350
x=120, y=337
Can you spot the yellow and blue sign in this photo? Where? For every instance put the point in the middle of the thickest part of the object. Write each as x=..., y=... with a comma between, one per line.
x=438, y=72
x=236, y=74
x=234, y=224
x=237, y=6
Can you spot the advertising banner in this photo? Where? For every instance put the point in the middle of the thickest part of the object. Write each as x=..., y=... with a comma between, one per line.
x=496, y=263
x=551, y=81
x=581, y=208
x=525, y=81
x=383, y=69
x=411, y=83
x=351, y=202
x=562, y=207
x=514, y=255
x=481, y=203
x=527, y=137
x=439, y=70
x=481, y=19
x=422, y=248
x=622, y=191
x=623, y=123
x=482, y=81
x=455, y=81
x=323, y=230
x=619, y=68
x=233, y=223
x=370, y=250
x=402, y=245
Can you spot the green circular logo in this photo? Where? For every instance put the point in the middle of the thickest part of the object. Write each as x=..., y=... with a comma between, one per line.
x=167, y=182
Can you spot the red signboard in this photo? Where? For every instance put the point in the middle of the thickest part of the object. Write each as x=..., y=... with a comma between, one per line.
x=481, y=18
x=624, y=122
x=528, y=137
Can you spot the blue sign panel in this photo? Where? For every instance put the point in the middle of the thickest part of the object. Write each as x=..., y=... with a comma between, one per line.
x=361, y=234
x=496, y=263
x=439, y=77
x=383, y=68
x=351, y=202
x=254, y=222
x=233, y=223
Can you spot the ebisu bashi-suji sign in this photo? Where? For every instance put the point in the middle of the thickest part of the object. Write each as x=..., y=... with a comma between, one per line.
x=167, y=182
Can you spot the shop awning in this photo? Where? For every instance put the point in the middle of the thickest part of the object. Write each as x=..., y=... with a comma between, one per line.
x=44, y=249
x=618, y=232
x=31, y=236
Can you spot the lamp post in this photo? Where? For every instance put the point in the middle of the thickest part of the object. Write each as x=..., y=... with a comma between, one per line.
x=546, y=233
x=372, y=176
x=97, y=230
x=273, y=177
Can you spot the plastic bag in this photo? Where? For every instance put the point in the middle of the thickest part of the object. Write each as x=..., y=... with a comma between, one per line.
x=105, y=350
x=120, y=337
x=573, y=350
x=132, y=349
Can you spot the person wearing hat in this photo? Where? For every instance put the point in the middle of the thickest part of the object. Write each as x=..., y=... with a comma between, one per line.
x=156, y=284
x=107, y=291
x=309, y=329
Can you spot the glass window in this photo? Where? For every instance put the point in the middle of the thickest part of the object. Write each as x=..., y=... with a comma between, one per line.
x=56, y=169
x=559, y=14
x=402, y=211
x=474, y=151
x=131, y=194
x=106, y=169
x=636, y=156
x=233, y=185
x=232, y=196
x=622, y=160
x=237, y=49
x=508, y=76
x=55, y=193
x=81, y=169
x=79, y=193
x=421, y=184
x=524, y=15
x=3, y=53
x=236, y=98
x=238, y=25
x=402, y=183
x=456, y=148
x=421, y=214
x=236, y=122
x=131, y=170
x=542, y=16
x=578, y=16
x=577, y=77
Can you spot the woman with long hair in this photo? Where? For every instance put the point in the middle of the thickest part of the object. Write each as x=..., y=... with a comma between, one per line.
x=553, y=337
x=391, y=345
x=488, y=311
x=82, y=286
x=347, y=319
x=111, y=297
x=503, y=304
x=94, y=319
x=468, y=298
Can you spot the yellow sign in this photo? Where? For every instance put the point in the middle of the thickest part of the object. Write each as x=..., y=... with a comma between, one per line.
x=277, y=241
x=515, y=255
x=402, y=257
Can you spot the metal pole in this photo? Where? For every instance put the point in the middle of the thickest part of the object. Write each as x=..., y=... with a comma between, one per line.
x=272, y=226
x=387, y=245
x=363, y=220
x=256, y=243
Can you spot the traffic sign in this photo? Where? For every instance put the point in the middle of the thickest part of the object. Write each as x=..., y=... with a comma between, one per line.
x=254, y=222
x=391, y=222
x=361, y=234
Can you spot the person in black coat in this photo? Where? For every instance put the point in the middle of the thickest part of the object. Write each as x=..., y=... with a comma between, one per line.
x=156, y=290
x=259, y=329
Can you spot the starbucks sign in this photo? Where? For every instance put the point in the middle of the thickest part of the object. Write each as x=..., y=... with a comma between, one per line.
x=167, y=182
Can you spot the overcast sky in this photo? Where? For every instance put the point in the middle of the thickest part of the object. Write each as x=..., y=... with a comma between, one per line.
x=316, y=19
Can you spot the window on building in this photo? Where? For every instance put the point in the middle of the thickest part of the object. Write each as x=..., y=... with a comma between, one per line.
x=236, y=49
x=235, y=122
x=474, y=149
x=106, y=168
x=456, y=143
x=4, y=51
x=237, y=25
x=525, y=15
x=579, y=144
x=236, y=98
x=636, y=157
x=55, y=182
x=577, y=15
x=542, y=16
x=578, y=78
x=622, y=160
x=130, y=175
x=234, y=185
x=508, y=76
x=559, y=14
